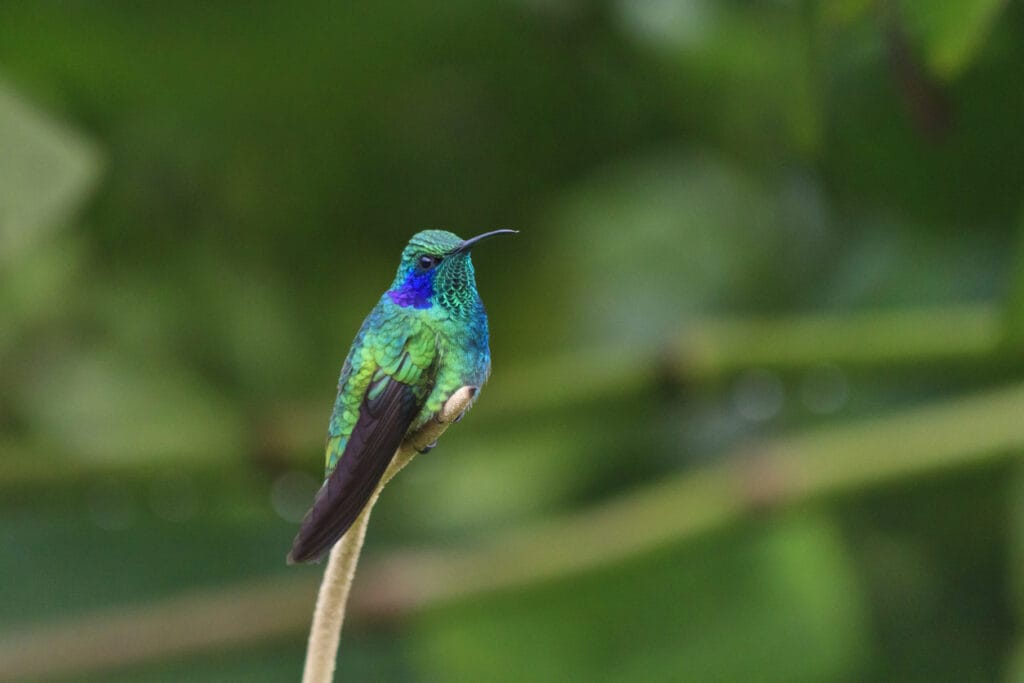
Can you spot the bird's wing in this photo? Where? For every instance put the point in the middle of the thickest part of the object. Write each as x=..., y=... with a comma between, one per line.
x=397, y=379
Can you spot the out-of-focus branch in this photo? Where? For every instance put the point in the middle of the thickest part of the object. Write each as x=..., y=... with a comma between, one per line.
x=823, y=462
x=709, y=350
x=776, y=472
x=705, y=351
x=924, y=101
x=919, y=337
x=197, y=621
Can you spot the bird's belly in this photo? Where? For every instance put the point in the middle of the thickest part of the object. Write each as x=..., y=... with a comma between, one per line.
x=462, y=365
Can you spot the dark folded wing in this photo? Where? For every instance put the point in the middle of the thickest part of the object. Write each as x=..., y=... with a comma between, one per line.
x=379, y=429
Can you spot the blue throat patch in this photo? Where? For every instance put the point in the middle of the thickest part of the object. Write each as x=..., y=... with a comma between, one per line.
x=415, y=291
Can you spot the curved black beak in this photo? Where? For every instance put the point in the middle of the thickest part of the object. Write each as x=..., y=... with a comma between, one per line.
x=469, y=244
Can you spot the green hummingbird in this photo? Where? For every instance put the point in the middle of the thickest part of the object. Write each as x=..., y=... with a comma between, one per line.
x=425, y=338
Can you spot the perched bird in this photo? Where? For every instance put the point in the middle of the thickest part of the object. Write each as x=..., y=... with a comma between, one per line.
x=425, y=338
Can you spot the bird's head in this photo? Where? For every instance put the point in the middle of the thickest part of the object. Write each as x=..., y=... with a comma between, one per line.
x=436, y=270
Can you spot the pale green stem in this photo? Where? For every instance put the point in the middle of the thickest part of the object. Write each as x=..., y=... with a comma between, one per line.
x=329, y=614
x=786, y=470
x=706, y=350
x=773, y=472
x=710, y=349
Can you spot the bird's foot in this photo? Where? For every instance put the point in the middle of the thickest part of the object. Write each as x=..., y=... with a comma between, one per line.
x=456, y=406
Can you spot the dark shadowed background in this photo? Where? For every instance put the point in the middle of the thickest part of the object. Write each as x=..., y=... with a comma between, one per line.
x=757, y=407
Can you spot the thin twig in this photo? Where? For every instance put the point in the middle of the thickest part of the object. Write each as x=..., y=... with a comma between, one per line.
x=830, y=460
x=198, y=620
x=329, y=614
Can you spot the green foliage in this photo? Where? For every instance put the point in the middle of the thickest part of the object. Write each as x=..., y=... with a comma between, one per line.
x=46, y=171
x=1014, y=322
x=773, y=601
x=951, y=33
x=730, y=213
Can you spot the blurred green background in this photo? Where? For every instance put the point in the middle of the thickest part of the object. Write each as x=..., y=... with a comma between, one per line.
x=757, y=407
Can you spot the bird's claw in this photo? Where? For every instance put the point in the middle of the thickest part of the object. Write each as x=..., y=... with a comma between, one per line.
x=460, y=399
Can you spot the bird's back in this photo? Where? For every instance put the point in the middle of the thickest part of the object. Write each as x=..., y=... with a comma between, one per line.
x=393, y=344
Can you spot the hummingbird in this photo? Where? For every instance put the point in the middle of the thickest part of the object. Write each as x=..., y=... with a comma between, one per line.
x=425, y=338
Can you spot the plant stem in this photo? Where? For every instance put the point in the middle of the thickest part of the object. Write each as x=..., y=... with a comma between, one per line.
x=703, y=351
x=831, y=460
x=329, y=614
x=710, y=349
x=777, y=472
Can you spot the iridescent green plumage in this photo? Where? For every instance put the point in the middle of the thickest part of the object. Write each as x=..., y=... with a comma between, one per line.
x=426, y=337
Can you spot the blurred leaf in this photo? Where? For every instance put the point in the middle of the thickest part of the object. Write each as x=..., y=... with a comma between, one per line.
x=927, y=187
x=235, y=324
x=952, y=32
x=776, y=601
x=931, y=552
x=885, y=264
x=743, y=76
x=842, y=12
x=35, y=287
x=46, y=170
x=107, y=407
x=676, y=234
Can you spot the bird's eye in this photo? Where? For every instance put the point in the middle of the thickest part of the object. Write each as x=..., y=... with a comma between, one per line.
x=427, y=261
